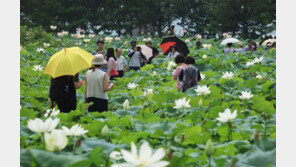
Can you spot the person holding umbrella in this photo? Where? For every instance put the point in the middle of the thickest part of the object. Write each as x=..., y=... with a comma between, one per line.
x=229, y=49
x=65, y=78
x=173, y=52
x=97, y=85
x=155, y=52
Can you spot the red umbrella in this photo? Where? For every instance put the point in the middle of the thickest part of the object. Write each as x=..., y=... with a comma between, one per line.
x=168, y=42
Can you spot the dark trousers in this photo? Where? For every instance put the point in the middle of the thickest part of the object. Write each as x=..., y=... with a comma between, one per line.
x=99, y=105
x=134, y=68
x=66, y=106
x=120, y=73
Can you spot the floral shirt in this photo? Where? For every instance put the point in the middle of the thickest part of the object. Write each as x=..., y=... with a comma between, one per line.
x=176, y=73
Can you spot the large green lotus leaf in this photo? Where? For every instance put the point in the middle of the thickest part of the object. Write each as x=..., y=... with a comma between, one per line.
x=90, y=143
x=261, y=105
x=50, y=159
x=225, y=150
x=257, y=158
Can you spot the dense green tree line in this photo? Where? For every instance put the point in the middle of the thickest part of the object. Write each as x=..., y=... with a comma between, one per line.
x=206, y=17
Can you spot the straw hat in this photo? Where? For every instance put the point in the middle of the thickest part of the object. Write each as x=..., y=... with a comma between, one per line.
x=99, y=60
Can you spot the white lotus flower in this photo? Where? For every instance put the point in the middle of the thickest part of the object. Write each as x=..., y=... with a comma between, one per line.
x=80, y=35
x=39, y=50
x=117, y=38
x=38, y=68
x=204, y=56
x=46, y=44
x=56, y=140
x=250, y=63
x=145, y=158
x=225, y=34
x=149, y=39
x=202, y=90
x=108, y=39
x=259, y=76
x=38, y=126
x=53, y=27
x=126, y=104
x=227, y=116
x=116, y=155
x=75, y=130
x=228, y=36
x=258, y=60
x=245, y=95
x=171, y=65
x=187, y=40
x=154, y=73
x=228, y=75
x=51, y=112
x=144, y=39
x=148, y=92
x=86, y=40
x=198, y=36
x=182, y=103
x=91, y=35
x=207, y=46
x=131, y=85
x=202, y=76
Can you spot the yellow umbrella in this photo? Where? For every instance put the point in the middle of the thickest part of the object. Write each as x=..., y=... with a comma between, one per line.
x=269, y=40
x=68, y=61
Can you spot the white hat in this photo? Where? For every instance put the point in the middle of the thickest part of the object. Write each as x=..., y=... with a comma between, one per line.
x=99, y=60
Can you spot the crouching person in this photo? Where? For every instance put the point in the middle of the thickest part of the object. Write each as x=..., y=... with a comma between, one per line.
x=190, y=76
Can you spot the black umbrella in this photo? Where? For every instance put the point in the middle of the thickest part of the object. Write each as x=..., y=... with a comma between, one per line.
x=169, y=41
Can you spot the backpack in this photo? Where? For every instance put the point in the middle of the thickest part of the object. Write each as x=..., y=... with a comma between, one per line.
x=190, y=78
x=62, y=89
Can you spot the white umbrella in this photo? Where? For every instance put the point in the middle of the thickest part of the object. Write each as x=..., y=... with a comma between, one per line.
x=269, y=40
x=146, y=51
x=229, y=40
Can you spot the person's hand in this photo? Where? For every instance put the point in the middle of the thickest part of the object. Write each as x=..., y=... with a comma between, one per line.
x=111, y=85
x=51, y=105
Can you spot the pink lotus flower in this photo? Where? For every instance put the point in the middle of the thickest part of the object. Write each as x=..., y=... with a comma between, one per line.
x=59, y=34
x=225, y=34
x=117, y=38
x=198, y=36
x=91, y=35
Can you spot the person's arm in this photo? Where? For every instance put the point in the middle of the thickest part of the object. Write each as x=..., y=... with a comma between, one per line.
x=85, y=95
x=125, y=66
x=51, y=105
x=131, y=53
x=198, y=75
x=181, y=75
x=143, y=57
x=176, y=73
x=106, y=85
x=77, y=83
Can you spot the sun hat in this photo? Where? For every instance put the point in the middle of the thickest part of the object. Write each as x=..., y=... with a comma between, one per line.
x=99, y=60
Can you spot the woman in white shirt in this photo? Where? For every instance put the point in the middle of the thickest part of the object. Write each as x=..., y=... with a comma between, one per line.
x=97, y=85
x=173, y=52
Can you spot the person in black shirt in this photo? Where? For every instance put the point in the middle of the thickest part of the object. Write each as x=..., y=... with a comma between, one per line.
x=155, y=52
x=63, y=92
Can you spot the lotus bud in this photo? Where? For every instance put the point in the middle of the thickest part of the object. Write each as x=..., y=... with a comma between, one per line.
x=200, y=103
x=183, y=138
x=209, y=148
x=105, y=131
x=126, y=104
x=256, y=136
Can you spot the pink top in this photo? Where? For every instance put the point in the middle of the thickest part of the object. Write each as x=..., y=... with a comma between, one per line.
x=176, y=73
x=114, y=67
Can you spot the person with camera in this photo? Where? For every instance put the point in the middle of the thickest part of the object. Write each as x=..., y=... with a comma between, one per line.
x=135, y=56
